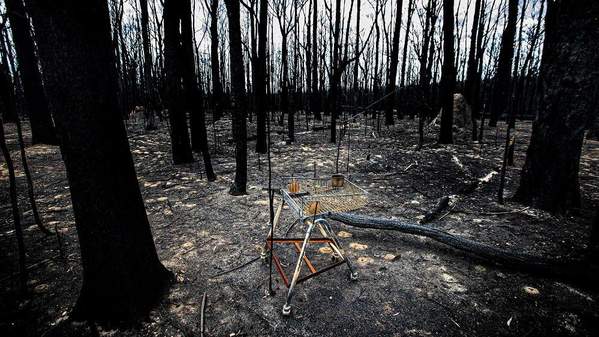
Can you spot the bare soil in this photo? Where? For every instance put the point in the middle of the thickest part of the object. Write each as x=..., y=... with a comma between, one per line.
x=408, y=285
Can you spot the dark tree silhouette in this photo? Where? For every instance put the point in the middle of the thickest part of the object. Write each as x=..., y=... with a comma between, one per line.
x=181, y=148
x=472, y=84
x=448, y=75
x=214, y=63
x=147, y=84
x=237, y=98
x=122, y=276
x=392, y=71
x=42, y=127
x=314, y=92
x=260, y=85
x=199, y=137
x=569, y=77
x=501, y=89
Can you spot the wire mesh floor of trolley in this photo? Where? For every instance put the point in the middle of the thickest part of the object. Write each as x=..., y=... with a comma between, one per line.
x=310, y=199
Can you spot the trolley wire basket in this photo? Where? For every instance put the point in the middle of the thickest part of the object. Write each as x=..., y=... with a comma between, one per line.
x=314, y=197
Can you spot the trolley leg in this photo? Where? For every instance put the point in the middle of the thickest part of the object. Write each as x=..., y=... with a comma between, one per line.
x=322, y=223
x=296, y=273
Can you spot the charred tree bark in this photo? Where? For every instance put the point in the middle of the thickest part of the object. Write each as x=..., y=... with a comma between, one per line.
x=315, y=94
x=122, y=276
x=411, y=8
x=237, y=98
x=500, y=95
x=569, y=76
x=181, y=148
x=260, y=85
x=217, y=88
x=472, y=84
x=448, y=76
x=149, y=105
x=392, y=71
x=199, y=137
x=42, y=127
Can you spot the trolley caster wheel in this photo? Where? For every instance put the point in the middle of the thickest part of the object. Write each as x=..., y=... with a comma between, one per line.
x=353, y=276
x=286, y=310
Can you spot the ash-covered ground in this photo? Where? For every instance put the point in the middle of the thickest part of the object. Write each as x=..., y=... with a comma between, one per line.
x=408, y=285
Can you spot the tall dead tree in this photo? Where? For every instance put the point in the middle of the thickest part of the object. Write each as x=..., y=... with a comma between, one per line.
x=411, y=8
x=214, y=61
x=314, y=92
x=500, y=95
x=448, y=75
x=122, y=276
x=147, y=83
x=237, y=98
x=42, y=127
x=569, y=78
x=392, y=71
x=260, y=85
x=472, y=83
x=181, y=148
x=199, y=137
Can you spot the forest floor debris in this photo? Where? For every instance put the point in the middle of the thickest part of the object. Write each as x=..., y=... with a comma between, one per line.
x=407, y=285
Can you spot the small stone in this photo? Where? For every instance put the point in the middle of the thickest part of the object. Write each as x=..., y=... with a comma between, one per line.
x=344, y=234
x=390, y=257
x=325, y=250
x=357, y=246
x=531, y=290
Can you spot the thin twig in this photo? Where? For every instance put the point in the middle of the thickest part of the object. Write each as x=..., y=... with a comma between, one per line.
x=202, y=310
x=236, y=268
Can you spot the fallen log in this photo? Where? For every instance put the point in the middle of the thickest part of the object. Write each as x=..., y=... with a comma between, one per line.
x=580, y=269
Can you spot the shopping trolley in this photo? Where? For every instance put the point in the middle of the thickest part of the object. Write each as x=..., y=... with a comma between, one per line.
x=310, y=199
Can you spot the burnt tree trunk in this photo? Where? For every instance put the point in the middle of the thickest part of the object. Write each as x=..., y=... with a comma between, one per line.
x=392, y=71
x=181, y=148
x=260, y=85
x=217, y=88
x=472, y=83
x=122, y=276
x=237, y=98
x=448, y=75
x=147, y=84
x=199, y=137
x=501, y=89
x=314, y=93
x=569, y=76
x=42, y=127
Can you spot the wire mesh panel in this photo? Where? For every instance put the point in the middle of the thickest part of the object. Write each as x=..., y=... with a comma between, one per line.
x=318, y=196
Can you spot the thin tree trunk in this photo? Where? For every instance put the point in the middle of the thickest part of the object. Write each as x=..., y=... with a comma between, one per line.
x=42, y=127
x=448, y=76
x=214, y=62
x=199, y=137
x=392, y=71
x=181, y=148
x=260, y=85
x=237, y=98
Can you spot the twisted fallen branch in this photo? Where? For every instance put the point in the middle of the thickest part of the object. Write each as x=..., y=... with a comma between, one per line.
x=579, y=270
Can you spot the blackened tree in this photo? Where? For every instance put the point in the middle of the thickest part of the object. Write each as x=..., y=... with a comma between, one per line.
x=392, y=71
x=181, y=148
x=122, y=276
x=199, y=137
x=501, y=89
x=448, y=75
x=237, y=98
x=42, y=127
x=568, y=77
x=260, y=85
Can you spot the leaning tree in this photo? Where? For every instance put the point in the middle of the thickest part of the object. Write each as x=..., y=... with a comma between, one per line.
x=122, y=275
x=569, y=78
